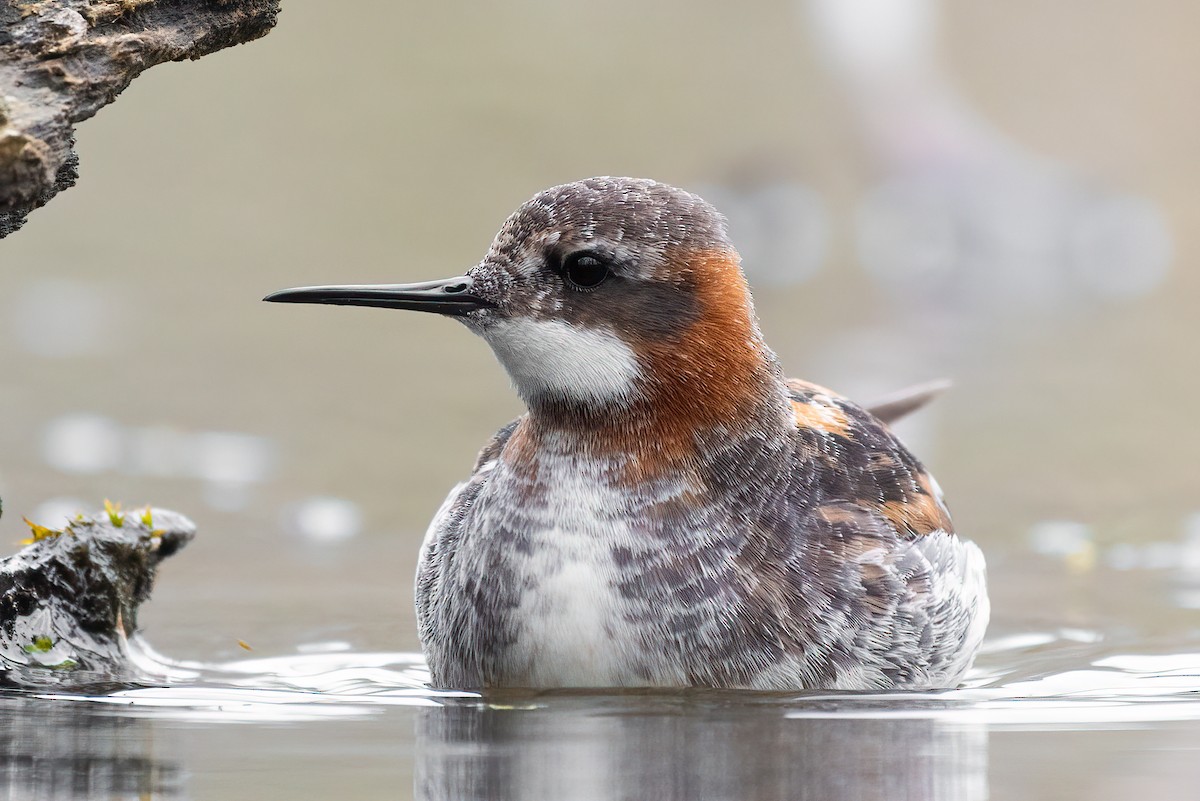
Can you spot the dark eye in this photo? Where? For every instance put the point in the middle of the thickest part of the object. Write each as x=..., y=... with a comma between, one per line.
x=585, y=270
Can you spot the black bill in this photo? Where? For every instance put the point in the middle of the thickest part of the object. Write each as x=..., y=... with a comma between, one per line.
x=451, y=296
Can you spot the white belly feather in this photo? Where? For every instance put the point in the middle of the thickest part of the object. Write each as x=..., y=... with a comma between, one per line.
x=573, y=631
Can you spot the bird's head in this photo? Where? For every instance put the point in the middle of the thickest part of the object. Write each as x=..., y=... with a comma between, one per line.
x=598, y=295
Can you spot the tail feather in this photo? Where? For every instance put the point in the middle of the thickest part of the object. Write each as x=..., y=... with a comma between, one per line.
x=893, y=407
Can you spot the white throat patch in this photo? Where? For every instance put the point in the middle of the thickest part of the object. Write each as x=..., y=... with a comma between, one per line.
x=552, y=357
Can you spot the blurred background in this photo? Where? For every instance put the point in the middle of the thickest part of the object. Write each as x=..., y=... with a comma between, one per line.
x=1002, y=194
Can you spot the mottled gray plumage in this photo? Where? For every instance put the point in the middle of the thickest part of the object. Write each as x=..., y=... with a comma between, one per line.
x=778, y=579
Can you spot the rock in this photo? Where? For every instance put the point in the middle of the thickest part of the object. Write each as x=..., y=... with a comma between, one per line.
x=62, y=60
x=69, y=600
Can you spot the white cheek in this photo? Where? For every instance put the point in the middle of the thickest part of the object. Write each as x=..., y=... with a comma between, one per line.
x=554, y=358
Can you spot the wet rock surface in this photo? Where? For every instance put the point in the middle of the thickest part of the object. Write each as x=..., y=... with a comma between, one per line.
x=69, y=599
x=62, y=60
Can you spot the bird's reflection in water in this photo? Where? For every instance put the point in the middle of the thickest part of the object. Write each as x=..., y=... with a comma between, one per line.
x=68, y=752
x=685, y=752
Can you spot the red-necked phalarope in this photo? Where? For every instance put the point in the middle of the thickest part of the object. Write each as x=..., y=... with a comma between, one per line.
x=671, y=511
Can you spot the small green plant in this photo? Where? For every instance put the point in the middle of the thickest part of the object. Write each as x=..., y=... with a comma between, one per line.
x=40, y=645
x=115, y=516
x=39, y=532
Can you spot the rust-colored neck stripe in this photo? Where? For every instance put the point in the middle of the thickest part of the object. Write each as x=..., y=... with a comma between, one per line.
x=715, y=373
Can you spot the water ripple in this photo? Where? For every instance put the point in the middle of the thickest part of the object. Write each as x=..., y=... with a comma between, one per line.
x=1073, y=681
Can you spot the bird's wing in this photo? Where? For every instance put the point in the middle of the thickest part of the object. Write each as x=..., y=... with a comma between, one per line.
x=890, y=407
x=875, y=609
x=490, y=451
x=441, y=538
x=851, y=457
x=862, y=575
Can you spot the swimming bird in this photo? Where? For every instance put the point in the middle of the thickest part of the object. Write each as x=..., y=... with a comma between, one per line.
x=671, y=511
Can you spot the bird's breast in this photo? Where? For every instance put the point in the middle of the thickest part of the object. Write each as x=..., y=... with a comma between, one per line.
x=571, y=625
x=564, y=539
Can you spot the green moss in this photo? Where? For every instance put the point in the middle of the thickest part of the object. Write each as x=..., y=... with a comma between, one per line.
x=40, y=645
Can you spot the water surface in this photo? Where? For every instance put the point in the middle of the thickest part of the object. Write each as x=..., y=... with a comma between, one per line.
x=1045, y=713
